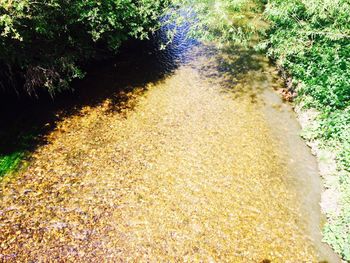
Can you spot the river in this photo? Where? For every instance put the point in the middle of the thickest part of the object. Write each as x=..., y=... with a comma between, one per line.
x=187, y=154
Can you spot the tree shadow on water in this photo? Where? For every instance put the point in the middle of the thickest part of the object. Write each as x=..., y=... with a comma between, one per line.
x=25, y=121
x=240, y=71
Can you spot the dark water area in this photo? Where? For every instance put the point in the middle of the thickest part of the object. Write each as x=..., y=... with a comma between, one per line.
x=26, y=119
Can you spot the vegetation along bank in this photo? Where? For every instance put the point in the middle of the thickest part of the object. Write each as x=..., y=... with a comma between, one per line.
x=45, y=44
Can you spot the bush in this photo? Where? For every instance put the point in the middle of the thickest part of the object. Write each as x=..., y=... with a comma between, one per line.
x=311, y=40
x=221, y=21
x=43, y=43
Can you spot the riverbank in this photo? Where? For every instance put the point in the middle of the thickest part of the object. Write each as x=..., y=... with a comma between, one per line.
x=311, y=42
x=335, y=197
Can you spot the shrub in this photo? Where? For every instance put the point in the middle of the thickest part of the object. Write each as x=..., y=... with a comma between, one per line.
x=44, y=42
x=311, y=40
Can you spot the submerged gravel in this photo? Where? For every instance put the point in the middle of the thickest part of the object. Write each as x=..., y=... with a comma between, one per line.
x=185, y=170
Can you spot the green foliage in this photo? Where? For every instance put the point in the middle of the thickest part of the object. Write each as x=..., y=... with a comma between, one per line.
x=14, y=146
x=311, y=40
x=47, y=41
x=43, y=44
x=336, y=232
x=10, y=162
x=222, y=21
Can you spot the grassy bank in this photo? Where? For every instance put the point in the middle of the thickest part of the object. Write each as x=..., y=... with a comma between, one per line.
x=9, y=162
x=15, y=145
x=310, y=40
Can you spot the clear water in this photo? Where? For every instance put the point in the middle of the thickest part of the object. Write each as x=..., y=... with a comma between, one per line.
x=186, y=154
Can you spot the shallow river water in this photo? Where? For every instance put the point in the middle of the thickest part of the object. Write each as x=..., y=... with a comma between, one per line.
x=201, y=162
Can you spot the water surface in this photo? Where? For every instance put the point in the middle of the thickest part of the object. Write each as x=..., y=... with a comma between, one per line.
x=187, y=154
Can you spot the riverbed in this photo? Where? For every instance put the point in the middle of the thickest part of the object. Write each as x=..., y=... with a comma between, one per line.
x=187, y=154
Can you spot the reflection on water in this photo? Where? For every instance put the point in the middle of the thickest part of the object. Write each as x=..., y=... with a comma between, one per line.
x=174, y=155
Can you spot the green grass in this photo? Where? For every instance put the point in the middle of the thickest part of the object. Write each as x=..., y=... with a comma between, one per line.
x=10, y=162
x=16, y=143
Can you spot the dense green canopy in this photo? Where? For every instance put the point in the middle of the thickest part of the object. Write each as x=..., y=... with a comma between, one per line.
x=43, y=42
